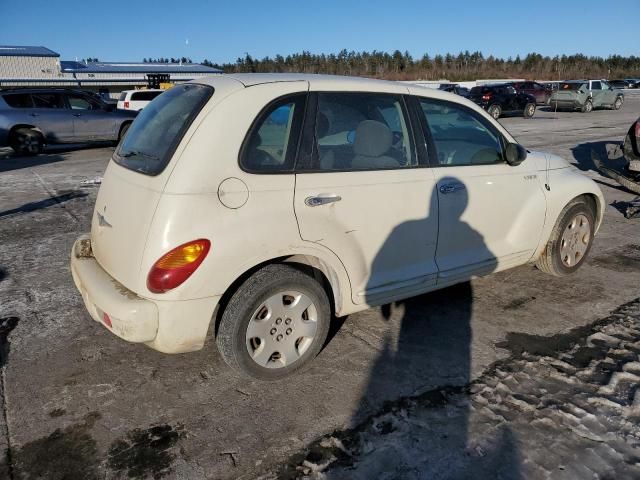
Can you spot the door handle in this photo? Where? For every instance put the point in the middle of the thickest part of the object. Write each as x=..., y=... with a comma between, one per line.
x=77, y=114
x=35, y=114
x=451, y=188
x=321, y=199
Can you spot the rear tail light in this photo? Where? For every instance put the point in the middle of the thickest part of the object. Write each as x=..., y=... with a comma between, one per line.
x=637, y=130
x=174, y=267
x=486, y=97
x=126, y=104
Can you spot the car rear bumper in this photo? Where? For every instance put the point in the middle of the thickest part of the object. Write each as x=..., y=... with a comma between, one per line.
x=565, y=104
x=170, y=327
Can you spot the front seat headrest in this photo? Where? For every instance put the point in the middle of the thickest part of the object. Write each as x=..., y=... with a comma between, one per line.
x=373, y=139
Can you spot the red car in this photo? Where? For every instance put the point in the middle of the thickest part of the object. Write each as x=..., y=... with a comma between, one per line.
x=541, y=92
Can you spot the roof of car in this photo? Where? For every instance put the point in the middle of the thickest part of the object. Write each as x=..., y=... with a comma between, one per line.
x=250, y=79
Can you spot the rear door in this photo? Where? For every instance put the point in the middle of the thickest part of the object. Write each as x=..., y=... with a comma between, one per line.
x=608, y=94
x=52, y=116
x=490, y=213
x=90, y=120
x=597, y=95
x=362, y=193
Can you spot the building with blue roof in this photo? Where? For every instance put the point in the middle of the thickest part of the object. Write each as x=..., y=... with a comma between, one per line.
x=29, y=66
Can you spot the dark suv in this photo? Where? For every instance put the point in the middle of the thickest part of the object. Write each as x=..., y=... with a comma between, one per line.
x=454, y=88
x=541, y=92
x=503, y=99
x=31, y=118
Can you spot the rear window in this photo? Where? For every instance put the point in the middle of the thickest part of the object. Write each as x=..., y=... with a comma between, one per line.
x=570, y=86
x=144, y=96
x=479, y=91
x=18, y=100
x=154, y=135
x=123, y=96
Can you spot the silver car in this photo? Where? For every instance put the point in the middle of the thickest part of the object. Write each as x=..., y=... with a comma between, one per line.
x=32, y=118
x=585, y=95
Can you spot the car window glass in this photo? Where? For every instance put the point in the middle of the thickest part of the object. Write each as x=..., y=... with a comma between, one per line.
x=77, y=102
x=362, y=131
x=48, y=100
x=144, y=95
x=596, y=86
x=510, y=91
x=273, y=140
x=461, y=136
x=605, y=85
x=123, y=96
x=18, y=100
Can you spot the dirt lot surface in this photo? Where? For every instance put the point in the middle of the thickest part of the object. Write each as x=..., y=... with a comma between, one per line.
x=517, y=375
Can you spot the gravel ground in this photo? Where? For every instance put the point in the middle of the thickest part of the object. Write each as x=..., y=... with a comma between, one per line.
x=440, y=386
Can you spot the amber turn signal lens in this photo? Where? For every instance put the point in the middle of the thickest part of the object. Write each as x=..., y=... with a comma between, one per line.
x=175, y=266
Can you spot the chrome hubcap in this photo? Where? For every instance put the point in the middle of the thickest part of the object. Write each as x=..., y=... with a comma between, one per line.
x=282, y=329
x=575, y=240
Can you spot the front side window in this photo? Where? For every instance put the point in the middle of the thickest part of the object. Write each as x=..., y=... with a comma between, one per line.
x=272, y=142
x=78, y=102
x=596, y=86
x=460, y=135
x=18, y=100
x=48, y=100
x=155, y=133
x=362, y=131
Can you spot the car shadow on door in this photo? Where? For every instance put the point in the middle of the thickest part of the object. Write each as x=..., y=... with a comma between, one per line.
x=427, y=342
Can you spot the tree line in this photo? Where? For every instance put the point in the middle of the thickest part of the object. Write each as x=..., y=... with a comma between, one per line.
x=463, y=66
x=167, y=60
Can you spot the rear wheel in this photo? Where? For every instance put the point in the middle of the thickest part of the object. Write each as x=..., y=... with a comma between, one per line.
x=275, y=323
x=588, y=106
x=26, y=141
x=529, y=110
x=617, y=105
x=495, y=111
x=570, y=240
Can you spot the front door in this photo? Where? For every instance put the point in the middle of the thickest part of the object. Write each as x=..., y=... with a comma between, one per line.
x=490, y=213
x=51, y=115
x=364, y=195
x=90, y=121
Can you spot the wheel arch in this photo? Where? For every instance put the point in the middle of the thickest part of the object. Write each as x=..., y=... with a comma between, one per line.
x=312, y=265
x=17, y=126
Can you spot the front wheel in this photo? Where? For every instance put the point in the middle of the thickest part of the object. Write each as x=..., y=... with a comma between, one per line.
x=570, y=240
x=495, y=111
x=529, y=110
x=275, y=323
x=587, y=107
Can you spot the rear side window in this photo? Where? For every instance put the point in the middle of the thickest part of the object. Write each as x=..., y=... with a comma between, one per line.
x=123, y=96
x=362, y=131
x=144, y=96
x=596, y=86
x=570, y=86
x=271, y=145
x=460, y=135
x=157, y=130
x=48, y=100
x=18, y=100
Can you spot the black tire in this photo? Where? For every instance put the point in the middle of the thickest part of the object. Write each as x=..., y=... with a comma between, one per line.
x=529, y=110
x=550, y=261
x=495, y=111
x=26, y=141
x=245, y=302
x=617, y=105
x=123, y=131
x=587, y=107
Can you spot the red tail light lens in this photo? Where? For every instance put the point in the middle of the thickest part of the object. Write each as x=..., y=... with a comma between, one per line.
x=174, y=267
x=638, y=130
x=126, y=104
x=486, y=97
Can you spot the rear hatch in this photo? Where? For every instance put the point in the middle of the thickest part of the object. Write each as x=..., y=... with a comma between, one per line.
x=134, y=181
x=567, y=91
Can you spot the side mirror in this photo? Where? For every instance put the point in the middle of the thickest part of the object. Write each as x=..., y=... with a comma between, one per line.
x=516, y=154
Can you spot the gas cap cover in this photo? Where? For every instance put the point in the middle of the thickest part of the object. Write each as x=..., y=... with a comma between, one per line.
x=233, y=192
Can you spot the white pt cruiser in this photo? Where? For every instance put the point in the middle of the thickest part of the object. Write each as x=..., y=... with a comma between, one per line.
x=264, y=204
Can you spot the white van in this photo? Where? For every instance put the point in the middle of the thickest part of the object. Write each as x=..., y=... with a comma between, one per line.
x=262, y=204
x=137, y=99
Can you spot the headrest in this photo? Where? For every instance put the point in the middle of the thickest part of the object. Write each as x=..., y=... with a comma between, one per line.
x=373, y=139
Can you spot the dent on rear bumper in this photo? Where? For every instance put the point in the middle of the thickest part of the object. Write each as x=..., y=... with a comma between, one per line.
x=169, y=327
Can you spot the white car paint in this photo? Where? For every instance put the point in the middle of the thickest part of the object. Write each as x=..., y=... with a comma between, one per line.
x=136, y=100
x=252, y=218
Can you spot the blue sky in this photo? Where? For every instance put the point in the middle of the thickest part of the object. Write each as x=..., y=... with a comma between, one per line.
x=221, y=31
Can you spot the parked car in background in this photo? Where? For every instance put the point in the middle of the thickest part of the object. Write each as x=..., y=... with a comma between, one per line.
x=585, y=95
x=502, y=99
x=172, y=248
x=626, y=83
x=633, y=82
x=631, y=148
x=137, y=99
x=454, y=88
x=541, y=92
x=31, y=118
